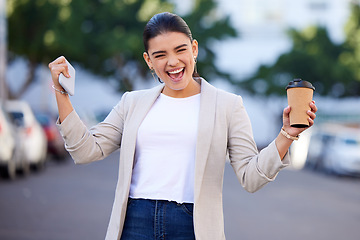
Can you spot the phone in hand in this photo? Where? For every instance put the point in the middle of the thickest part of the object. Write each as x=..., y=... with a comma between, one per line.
x=68, y=83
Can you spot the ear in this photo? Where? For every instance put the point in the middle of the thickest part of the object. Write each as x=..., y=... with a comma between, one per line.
x=195, y=48
x=147, y=59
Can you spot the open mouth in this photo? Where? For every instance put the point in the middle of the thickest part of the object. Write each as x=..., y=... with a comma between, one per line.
x=176, y=74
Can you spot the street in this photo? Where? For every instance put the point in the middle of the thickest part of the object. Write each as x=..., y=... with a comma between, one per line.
x=72, y=202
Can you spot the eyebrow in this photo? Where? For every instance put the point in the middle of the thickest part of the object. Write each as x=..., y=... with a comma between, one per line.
x=180, y=46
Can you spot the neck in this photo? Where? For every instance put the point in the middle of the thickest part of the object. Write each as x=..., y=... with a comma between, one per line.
x=191, y=89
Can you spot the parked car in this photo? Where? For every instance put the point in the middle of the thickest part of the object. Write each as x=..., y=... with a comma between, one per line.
x=35, y=143
x=7, y=146
x=56, y=145
x=11, y=147
x=335, y=148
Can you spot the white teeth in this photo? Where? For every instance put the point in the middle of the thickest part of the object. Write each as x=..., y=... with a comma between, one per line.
x=176, y=71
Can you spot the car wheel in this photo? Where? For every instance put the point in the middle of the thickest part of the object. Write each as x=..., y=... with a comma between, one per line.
x=12, y=170
x=9, y=171
x=329, y=167
x=25, y=168
x=39, y=166
x=319, y=164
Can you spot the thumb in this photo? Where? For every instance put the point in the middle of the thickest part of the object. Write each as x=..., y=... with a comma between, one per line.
x=287, y=110
x=286, y=117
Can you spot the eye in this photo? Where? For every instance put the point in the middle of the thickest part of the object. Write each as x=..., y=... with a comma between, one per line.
x=182, y=49
x=160, y=55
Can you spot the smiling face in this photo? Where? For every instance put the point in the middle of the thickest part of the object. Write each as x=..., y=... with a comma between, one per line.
x=172, y=56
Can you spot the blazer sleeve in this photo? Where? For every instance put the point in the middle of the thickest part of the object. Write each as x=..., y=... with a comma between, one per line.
x=253, y=169
x=88, y=145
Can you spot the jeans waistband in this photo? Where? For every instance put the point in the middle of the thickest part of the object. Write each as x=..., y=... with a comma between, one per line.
x=158, y=219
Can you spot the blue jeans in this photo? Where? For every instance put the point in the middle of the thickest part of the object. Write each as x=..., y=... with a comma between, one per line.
x=158, y=219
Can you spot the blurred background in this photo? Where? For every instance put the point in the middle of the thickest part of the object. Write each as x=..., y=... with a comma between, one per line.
x=249, y=47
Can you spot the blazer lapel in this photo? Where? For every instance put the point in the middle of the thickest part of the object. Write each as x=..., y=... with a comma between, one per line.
x=139, y=112
x=205, y=131
x=143, y=106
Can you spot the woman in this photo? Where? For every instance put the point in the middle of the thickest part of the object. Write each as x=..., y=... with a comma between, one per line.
x=173, y=142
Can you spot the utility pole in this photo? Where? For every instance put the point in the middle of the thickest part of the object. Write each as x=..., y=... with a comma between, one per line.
x=3, y=50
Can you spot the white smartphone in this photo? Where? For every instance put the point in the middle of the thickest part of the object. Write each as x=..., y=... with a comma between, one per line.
x=68, y=83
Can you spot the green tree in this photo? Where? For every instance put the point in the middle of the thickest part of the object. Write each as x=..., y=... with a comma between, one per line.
x=104, y=37
x=332, y=68
x=351, y=57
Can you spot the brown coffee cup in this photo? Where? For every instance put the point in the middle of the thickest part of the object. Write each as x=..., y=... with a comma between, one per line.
x=299, y=95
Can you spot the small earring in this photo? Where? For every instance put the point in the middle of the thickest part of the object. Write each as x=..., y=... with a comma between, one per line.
x=153, y=74
x=195, y=68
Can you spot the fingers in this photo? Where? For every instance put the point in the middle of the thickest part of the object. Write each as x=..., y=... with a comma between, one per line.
x=313, y=110
x=57, y=61
x=311, y=118
x=311, y=122
x=311, y=113
x=286, y=118
x=58, y=66
x=296, y=131
x=287, y=110
x=286, y=113
x=313, y=106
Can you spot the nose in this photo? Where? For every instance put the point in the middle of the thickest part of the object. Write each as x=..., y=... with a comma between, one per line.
x=173, y=60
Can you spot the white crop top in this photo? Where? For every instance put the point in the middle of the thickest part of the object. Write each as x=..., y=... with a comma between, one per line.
x=165, y=151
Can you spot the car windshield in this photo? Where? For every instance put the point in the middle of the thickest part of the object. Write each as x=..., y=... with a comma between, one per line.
x=18, y=118
x=350, y=141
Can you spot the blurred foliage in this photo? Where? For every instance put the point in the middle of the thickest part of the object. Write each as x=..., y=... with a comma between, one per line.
x=332, y=68
x=351, y=58
x=103, y=36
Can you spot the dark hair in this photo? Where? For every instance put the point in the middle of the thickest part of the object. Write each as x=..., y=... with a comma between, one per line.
x=163, y=23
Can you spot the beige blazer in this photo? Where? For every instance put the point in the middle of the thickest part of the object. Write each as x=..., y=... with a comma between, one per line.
x=224, y=128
